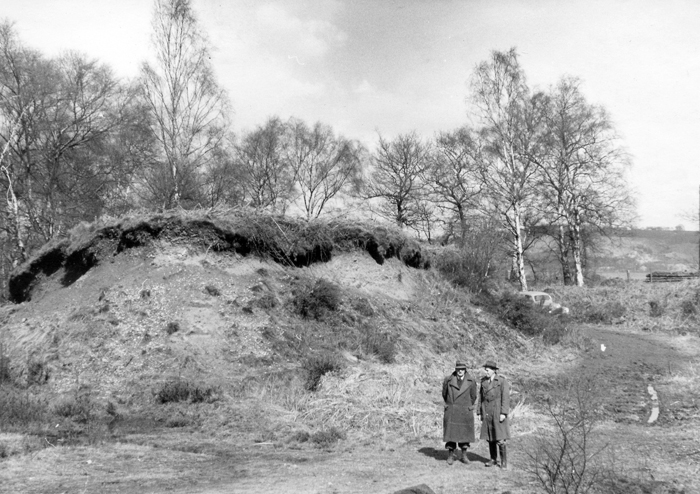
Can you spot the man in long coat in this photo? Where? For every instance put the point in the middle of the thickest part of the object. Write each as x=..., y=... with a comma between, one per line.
x=459, y=393
x=494, y=401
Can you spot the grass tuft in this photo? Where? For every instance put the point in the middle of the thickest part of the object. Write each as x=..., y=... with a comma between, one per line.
x=318, y=366
x=327, y=438
x=179, y=390
x=317, y=300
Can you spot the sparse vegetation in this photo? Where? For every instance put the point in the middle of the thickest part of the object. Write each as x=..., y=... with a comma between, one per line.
x=318, y=366
x=332, y=360
x=566, y=458
x=78, y=406
x=382, y=345
x=172, y=327
x=530, y=321
x=21, y=409
x=316, y=300
x=5, y=375
x=327, y=438
x=178, y=390
x=656, y=308
x=212, y=290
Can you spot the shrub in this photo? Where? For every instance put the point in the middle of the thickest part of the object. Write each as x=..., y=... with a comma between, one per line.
x=212, y=290
x=314, y=302
x=363, y=307
x=172, y=327
x=180, y=390
x=267, y=301
x=78, y=407
x=382, y=345
x=5, y=375
x=688, y=309
x=327, y=438
x=554, y=334
x=471, y=264
x=656, y=309
x=37, y=372
x=564, y=459
x=318, y=366
x=20, y=408
x=300, y=436
x=606, y=313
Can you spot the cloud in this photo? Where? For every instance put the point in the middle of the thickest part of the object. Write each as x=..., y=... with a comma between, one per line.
x=364, y=87
x=301, y=38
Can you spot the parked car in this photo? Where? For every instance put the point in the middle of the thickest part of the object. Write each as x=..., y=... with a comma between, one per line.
x=544, y=301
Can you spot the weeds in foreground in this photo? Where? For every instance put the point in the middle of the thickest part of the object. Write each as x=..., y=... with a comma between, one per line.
x=565, y=459
x=20, y=409
x=181, y=390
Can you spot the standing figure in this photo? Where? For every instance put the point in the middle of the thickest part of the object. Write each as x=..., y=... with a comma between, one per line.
x=459, y=393
x=494, y=399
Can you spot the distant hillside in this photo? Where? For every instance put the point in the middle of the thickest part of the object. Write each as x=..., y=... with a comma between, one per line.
x=644, y=251
x=637, y=251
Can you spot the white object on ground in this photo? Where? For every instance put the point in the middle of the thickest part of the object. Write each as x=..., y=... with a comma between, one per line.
x=654, y=405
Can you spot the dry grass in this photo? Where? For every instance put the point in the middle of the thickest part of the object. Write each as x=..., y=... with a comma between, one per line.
x=666, y=307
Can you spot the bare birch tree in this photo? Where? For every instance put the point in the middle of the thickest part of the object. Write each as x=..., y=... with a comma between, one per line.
x=583, y=173
x=188, y=108
x=509, y=115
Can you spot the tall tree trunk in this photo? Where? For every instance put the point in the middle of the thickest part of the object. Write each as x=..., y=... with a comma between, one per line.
x=518, y=248
x=462, y=225
x=13, y=211
x=575, y=227
x=564, y=255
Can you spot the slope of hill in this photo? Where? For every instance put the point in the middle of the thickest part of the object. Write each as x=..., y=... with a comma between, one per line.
x=643, y=251
x=232, y=306
x=227, y=353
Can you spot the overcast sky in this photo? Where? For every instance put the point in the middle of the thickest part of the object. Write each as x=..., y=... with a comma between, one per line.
x=393, y=66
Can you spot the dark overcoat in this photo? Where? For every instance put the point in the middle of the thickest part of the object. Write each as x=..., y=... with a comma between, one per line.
x=458, y=421
x=494, y=400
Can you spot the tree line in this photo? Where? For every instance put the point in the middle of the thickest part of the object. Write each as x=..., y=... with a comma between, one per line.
x=77, y=143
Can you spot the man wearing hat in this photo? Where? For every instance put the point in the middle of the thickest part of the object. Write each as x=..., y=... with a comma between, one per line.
x=494, y=399
x=459, y=393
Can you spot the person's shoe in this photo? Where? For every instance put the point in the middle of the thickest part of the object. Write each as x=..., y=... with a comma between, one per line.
x=464, y=458
x=493, y=453
x=451, y=457
x=504, y=456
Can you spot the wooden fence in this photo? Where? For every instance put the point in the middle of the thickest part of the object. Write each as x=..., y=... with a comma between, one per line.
x=669, y=276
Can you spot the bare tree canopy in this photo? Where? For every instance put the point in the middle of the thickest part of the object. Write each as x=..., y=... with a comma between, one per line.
x=510, y=118
x=582, y=172
x=453, y=175
x=188, y=108
x=323, y=164
x=268, y=180
x=396, y=177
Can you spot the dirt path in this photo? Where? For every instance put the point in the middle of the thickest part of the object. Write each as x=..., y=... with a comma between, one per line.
x=630, y=365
